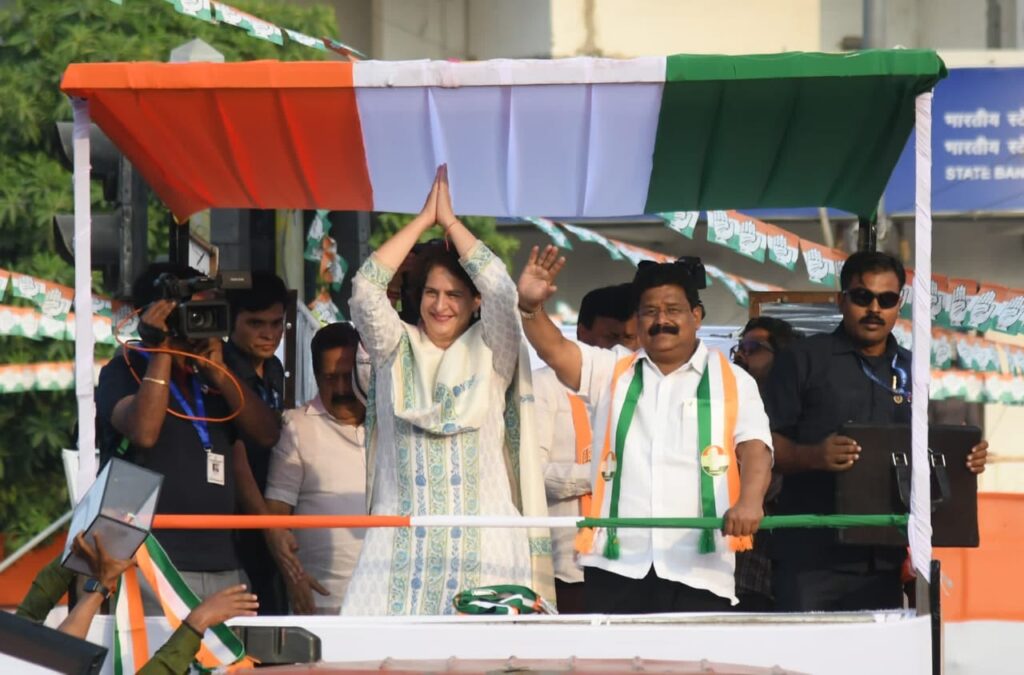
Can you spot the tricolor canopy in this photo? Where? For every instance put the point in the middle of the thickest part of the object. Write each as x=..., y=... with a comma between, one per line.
x=563, y=138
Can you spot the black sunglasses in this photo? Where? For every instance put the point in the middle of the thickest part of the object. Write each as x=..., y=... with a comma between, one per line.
x=862, y=297
x=748, y=347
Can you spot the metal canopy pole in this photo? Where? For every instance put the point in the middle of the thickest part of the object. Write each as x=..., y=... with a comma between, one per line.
x=85, y=341
x=919, y=529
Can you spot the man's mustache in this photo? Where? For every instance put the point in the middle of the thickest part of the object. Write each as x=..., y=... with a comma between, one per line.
x=873, y=319
x=659, y=328
x=338, y=399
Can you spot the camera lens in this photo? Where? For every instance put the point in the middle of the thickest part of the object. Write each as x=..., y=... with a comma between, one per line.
x=200, y=320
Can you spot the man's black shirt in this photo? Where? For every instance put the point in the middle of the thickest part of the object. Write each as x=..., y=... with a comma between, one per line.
x=815, y=387
x=180, y=457
x=270, y=388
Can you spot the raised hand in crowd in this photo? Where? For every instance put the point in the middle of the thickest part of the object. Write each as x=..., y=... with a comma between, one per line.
x=107, y=570
x=222, y=606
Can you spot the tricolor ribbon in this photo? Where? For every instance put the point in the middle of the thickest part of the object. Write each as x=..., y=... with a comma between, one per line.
x=219, y=647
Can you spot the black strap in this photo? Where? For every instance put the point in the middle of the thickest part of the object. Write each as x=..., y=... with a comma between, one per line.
x=940, y=477
x=901, y=464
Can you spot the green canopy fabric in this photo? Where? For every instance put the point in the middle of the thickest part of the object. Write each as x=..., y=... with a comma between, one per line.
x=785, y=130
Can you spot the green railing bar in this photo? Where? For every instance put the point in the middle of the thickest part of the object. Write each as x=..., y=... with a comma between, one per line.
x=768, y=523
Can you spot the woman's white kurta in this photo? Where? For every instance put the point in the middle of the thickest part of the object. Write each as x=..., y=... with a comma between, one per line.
x=436, y=432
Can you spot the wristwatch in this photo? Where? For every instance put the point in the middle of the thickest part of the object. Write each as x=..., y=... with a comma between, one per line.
x=94, y=586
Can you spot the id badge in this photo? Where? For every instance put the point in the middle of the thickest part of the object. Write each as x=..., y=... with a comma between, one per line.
x=214, y=468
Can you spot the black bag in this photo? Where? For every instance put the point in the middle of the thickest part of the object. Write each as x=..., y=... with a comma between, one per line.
x=880, y=483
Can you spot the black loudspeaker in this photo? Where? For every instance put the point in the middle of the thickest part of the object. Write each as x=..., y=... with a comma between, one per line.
x=879, y=483
x=49, y=648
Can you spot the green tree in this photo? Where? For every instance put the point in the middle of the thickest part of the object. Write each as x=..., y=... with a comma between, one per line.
x=38, y=39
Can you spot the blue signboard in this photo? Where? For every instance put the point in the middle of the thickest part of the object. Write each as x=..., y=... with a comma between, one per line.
x=977, y=146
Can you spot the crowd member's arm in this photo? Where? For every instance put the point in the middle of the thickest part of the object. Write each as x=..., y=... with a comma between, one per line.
x=47, y=589
x=140, y=416
x=562, y=480
x=379, y=325
x=498, y=316
x=106, y=570
x=284, y=483
x=298, y=583
x=255, y=421
x=249, y=498
x=536, y=285
x=176, y=655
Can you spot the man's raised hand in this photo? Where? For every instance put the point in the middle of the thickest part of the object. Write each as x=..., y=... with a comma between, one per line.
x=537, y=281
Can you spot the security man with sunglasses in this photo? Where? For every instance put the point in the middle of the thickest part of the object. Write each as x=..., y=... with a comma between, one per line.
x=856, y=374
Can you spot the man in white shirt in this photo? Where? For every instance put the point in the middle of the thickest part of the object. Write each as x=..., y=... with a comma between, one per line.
x=672, y=426
x=563, y=433
x=319, y=467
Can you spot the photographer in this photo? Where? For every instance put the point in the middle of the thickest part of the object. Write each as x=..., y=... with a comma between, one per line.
x=154, y=409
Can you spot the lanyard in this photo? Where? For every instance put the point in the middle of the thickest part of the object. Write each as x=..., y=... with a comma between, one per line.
x=198, y=424
x=899, y=388
x=269, y=396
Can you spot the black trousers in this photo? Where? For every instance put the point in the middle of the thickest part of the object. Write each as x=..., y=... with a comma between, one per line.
x=609, y=593
x=802, y=588
x=571, y=598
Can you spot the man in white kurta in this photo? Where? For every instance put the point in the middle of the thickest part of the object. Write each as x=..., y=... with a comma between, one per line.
x=318, y=467
x=677, y=432
x=661, y=467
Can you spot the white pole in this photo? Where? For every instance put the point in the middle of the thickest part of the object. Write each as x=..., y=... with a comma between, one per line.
x=84, y=339
x=920, y=526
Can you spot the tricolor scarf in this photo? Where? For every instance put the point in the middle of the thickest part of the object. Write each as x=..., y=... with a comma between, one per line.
x=219, y=649
x=719, y=480
x=502, y=599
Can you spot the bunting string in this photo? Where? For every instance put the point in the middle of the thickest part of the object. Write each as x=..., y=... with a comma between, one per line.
x=213, y=12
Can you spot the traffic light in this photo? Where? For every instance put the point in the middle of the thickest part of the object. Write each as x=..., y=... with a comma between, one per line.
x=119, y=237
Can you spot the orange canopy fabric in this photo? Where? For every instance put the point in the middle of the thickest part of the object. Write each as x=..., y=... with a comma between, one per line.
x=259, y=135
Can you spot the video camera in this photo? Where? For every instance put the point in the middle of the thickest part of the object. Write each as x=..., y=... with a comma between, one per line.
x=200, y=319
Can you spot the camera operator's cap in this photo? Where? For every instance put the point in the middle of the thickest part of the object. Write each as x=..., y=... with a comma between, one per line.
x=687, y=271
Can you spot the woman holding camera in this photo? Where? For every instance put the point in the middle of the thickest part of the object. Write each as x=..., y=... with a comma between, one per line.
x=441, y=439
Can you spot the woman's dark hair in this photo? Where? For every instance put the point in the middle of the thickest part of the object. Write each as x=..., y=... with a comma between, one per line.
x=870, y=261
x=341, y=334
x=780, y=333
x=428, y=256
